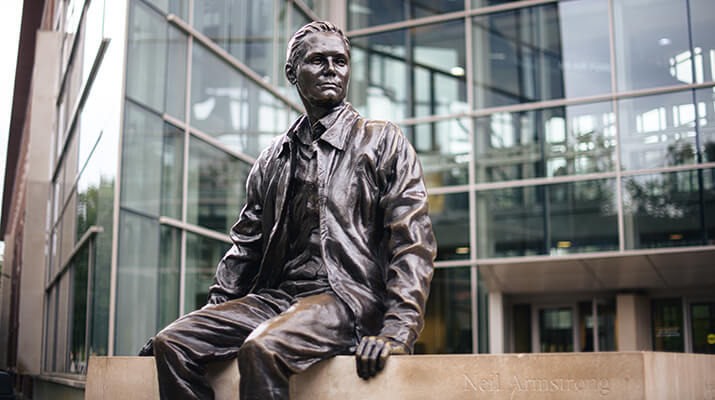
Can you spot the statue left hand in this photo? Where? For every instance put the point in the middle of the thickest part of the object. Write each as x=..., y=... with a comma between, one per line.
x=372, y=354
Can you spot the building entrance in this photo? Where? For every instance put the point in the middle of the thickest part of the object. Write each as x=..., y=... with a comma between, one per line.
x=579, y=325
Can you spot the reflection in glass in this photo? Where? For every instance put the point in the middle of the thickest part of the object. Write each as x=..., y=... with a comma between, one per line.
x=77, y=358
x=571, y=140
x=548, y=219
x=522, y=328
x=156, y=62
x=202, y=256
x=178, y=7
x=244, y=28
x=407, y=73
x=667, y=325
x=450, y=223
x=62, y=332
x=541, y=53
x=448, y=326
x=653, y=53
x=703, y=35
x=365, y=13
x=556, y=330
x=703, y=327
x=665, y=210
x=151, y=164
x=443, y=149
x=234, y=110
x=706, y=123
x=217, y=182
x=657, y=131
x=147, y=280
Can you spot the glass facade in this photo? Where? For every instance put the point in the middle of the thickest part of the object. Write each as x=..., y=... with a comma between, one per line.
x=551, y=130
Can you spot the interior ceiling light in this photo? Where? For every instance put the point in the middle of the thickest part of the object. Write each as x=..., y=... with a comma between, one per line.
x=664, y=41
x=457, y=71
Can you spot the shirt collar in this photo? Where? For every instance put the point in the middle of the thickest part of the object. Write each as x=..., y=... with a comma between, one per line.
x=335, y=124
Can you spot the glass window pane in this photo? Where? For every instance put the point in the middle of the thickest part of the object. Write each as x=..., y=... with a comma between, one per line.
x=522, y=328
x=156, y=62
x=147, y=280
x=656, y=53
x=178, y=7
x=664, y=210
x=77, y=360
x=364, y=13
x=151, y=164
x=231, y=108
x=448, y=317
x=413, y=72
x=703, y=327
x=244, y=28
x=450, y=223
x=50, y=329
x=607, y=326
x=202, y=256
x=558, y=141
x=657, y=131
x=443, y=149
x=217, y=186
x=556, y=330
x=62, y=340
x=667, y=325
x=541, y=53
x=706, y=123
x=548, y=219
x=703, y=31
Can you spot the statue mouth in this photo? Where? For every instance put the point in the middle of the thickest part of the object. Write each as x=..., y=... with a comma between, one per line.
x=328, y=85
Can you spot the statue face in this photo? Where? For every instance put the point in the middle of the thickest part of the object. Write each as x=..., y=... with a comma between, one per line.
x=323, y=73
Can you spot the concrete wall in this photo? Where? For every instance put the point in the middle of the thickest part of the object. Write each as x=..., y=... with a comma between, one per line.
x=41, y=125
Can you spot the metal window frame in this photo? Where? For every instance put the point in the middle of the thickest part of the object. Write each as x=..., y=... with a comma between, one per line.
x=232, y=61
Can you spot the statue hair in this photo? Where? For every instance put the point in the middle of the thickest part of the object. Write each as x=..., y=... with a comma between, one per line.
x=295, y=50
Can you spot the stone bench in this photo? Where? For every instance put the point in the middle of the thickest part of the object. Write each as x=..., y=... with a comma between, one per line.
x=615, y=375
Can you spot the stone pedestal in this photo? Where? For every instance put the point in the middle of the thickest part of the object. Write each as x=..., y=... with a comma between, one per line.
x=629, y=375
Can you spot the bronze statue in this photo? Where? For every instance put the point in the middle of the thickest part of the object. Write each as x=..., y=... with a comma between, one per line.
x=332, y=254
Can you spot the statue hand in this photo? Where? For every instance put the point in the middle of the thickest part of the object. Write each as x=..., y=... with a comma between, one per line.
x=372, y=354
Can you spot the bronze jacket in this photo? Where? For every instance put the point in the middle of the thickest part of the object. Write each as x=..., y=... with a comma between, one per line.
x=376, y=236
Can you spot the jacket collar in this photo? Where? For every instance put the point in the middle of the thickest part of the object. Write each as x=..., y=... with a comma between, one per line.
x=336, y=133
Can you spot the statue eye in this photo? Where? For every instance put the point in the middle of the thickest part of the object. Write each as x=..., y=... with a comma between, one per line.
x=316, y=61
x=341, y=62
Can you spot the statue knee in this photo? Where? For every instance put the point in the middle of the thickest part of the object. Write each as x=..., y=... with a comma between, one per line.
x=254, y=348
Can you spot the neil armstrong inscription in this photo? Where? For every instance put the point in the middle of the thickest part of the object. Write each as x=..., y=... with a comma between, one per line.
x=494, y=383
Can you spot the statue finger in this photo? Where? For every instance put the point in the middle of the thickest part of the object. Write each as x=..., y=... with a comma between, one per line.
x=364, y=358
x=375, y=356
x=382, y=360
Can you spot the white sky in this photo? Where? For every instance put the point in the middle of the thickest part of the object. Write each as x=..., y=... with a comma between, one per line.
x=10, y=19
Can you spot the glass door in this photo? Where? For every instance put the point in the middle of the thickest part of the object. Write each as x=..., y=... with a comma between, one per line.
x=556, y=330
x=703, y=327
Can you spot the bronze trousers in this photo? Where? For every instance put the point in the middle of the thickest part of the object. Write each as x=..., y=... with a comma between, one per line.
x=273, y=335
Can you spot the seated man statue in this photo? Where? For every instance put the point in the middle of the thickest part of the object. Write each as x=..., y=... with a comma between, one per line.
x=332, y=253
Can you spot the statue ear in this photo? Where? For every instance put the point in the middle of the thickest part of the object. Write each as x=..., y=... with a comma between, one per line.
x=290, y=74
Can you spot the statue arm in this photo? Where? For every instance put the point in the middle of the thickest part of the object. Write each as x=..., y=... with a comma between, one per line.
x=411, y=250
x=238, y=267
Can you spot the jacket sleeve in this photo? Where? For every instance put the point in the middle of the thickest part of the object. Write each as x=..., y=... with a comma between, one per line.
x=411, y=244
x=238, y=268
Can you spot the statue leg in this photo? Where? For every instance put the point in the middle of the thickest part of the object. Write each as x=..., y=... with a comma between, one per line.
x=312, y=329
x=212, y=333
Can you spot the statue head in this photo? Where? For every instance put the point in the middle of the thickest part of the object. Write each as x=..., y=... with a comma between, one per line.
x=318, y=63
